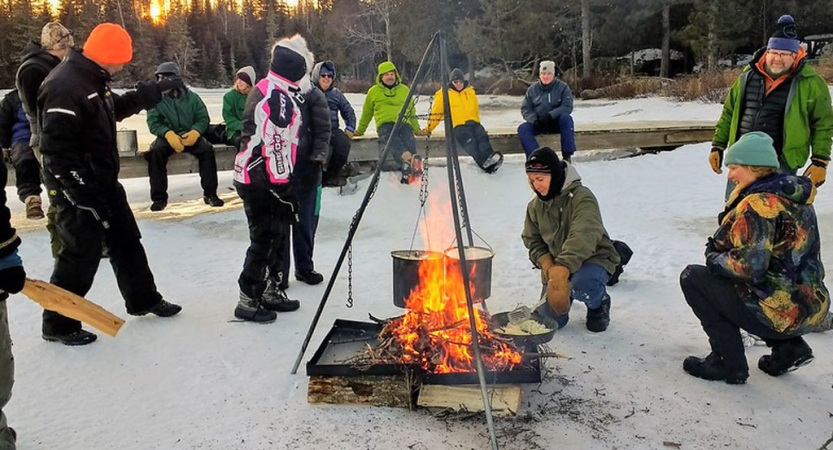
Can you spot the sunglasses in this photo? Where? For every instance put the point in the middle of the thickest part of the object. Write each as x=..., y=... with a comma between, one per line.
x=326, y=75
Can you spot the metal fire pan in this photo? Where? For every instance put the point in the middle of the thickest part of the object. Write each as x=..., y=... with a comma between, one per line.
x=348, y=339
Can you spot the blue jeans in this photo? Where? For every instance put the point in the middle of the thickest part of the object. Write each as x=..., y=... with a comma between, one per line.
x=588, y=285
x=563, y=126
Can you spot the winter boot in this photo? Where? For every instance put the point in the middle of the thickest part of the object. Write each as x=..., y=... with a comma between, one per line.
x=275, y=299
x=253, y=310
x=599, y=318
x=493, y=163
x=786, y=356
x=158, y=205
x=34, y=207
x=213, y=200
x=309, y=276
x=76, y=338
x=165, y=309
x=406, y=173
x=712, y=368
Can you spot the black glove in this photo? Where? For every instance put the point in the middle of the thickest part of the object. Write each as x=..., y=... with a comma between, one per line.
x=152, y=91
x=710, y=247
x=12, y=275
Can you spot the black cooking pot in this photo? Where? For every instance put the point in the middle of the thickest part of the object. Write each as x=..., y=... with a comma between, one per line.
x=406, y=272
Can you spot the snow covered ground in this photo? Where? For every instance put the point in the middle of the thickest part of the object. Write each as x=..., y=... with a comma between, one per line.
x=201, y=381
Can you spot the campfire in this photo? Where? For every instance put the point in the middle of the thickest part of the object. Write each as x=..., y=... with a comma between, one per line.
x=435, y=332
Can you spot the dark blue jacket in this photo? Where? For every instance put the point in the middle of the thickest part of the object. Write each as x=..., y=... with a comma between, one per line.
x=335, y=99
x=554, y=100
x=14, y=126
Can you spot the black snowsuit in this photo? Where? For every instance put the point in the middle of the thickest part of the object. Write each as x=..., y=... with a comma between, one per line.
x=81, y=167
x=271, y=208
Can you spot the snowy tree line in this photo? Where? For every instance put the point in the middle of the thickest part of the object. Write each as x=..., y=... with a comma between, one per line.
x=211, y=38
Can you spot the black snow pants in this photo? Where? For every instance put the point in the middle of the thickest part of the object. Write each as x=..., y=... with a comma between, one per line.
x=26, y=170
x=77, y=261
x=269, y=218
x=158, y=157
x=474, y=140
x=340, y=144
x=722, y=313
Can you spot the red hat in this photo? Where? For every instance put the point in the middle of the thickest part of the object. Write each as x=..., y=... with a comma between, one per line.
x=109, y=43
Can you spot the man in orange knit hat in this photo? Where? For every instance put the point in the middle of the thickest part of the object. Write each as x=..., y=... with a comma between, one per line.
x=81, y=167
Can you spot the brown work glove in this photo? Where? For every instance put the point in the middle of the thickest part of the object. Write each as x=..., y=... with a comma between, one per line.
x=558, y=289
x=349, y=134
x=174, y=141
x=190, y=138
x=356, y=133
x=422, y=132
x=817, y=171
x=716, y=159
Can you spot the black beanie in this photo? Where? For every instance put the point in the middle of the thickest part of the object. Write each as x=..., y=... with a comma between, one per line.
x=457, y=74
x=544, y=160
x=288, y=64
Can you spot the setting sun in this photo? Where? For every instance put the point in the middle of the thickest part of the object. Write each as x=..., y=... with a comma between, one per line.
x=155, y=11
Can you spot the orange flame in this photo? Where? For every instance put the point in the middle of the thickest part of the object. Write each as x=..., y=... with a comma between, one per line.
x=436, y=331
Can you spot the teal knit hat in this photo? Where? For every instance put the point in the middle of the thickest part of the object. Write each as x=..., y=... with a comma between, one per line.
x=752, y=149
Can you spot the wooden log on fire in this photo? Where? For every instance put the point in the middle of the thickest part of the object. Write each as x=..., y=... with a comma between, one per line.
x=505, y=399
x=374, y=390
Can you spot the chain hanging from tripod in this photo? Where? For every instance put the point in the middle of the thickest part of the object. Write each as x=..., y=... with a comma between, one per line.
x=354, y=223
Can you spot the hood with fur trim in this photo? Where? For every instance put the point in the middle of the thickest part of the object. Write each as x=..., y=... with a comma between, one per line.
x=292, y=60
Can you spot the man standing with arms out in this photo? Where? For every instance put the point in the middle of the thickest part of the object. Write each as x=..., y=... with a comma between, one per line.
x=546, y=108
x=782, y=96
x=383, y=102
x=234, y=102
x=323, y=76
x=81, y=168
x=36, y=63
x=179, y=122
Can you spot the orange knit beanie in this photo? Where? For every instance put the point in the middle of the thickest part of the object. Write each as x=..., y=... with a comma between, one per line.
x=109, y=43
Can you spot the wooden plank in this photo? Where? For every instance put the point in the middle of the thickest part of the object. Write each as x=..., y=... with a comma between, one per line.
x=374, y=390
x=66, y=303
x=644, y=135
x=505, y=399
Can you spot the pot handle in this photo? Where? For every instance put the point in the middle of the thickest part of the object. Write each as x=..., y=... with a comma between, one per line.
x=450, y=246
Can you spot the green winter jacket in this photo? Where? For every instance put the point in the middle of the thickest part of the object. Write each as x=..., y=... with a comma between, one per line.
x=179, y=115
x=808, y=121
x=383, y=103
x=569, y=227
x=233, y=105
x=768, y=245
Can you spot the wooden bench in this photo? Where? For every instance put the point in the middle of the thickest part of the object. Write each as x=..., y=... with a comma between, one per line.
x=652, y=136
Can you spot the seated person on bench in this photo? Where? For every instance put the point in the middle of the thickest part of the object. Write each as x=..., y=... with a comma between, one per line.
x=234, y=102
x=546, y=108
x=178, y=122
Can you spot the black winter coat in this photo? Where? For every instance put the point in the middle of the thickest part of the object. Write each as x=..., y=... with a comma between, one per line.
x=314, y=144
x=78, y=115
x=35, y=65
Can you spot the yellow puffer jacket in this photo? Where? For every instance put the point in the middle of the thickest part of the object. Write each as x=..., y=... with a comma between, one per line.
x=464, y=107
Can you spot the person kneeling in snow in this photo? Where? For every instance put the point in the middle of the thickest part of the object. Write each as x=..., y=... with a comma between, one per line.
x=567, y=240
x=763, y=270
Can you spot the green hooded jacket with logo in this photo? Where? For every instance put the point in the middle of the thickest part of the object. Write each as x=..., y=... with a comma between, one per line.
x=383, y=103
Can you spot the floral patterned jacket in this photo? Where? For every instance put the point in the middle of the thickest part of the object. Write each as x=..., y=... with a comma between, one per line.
x=768, y=244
